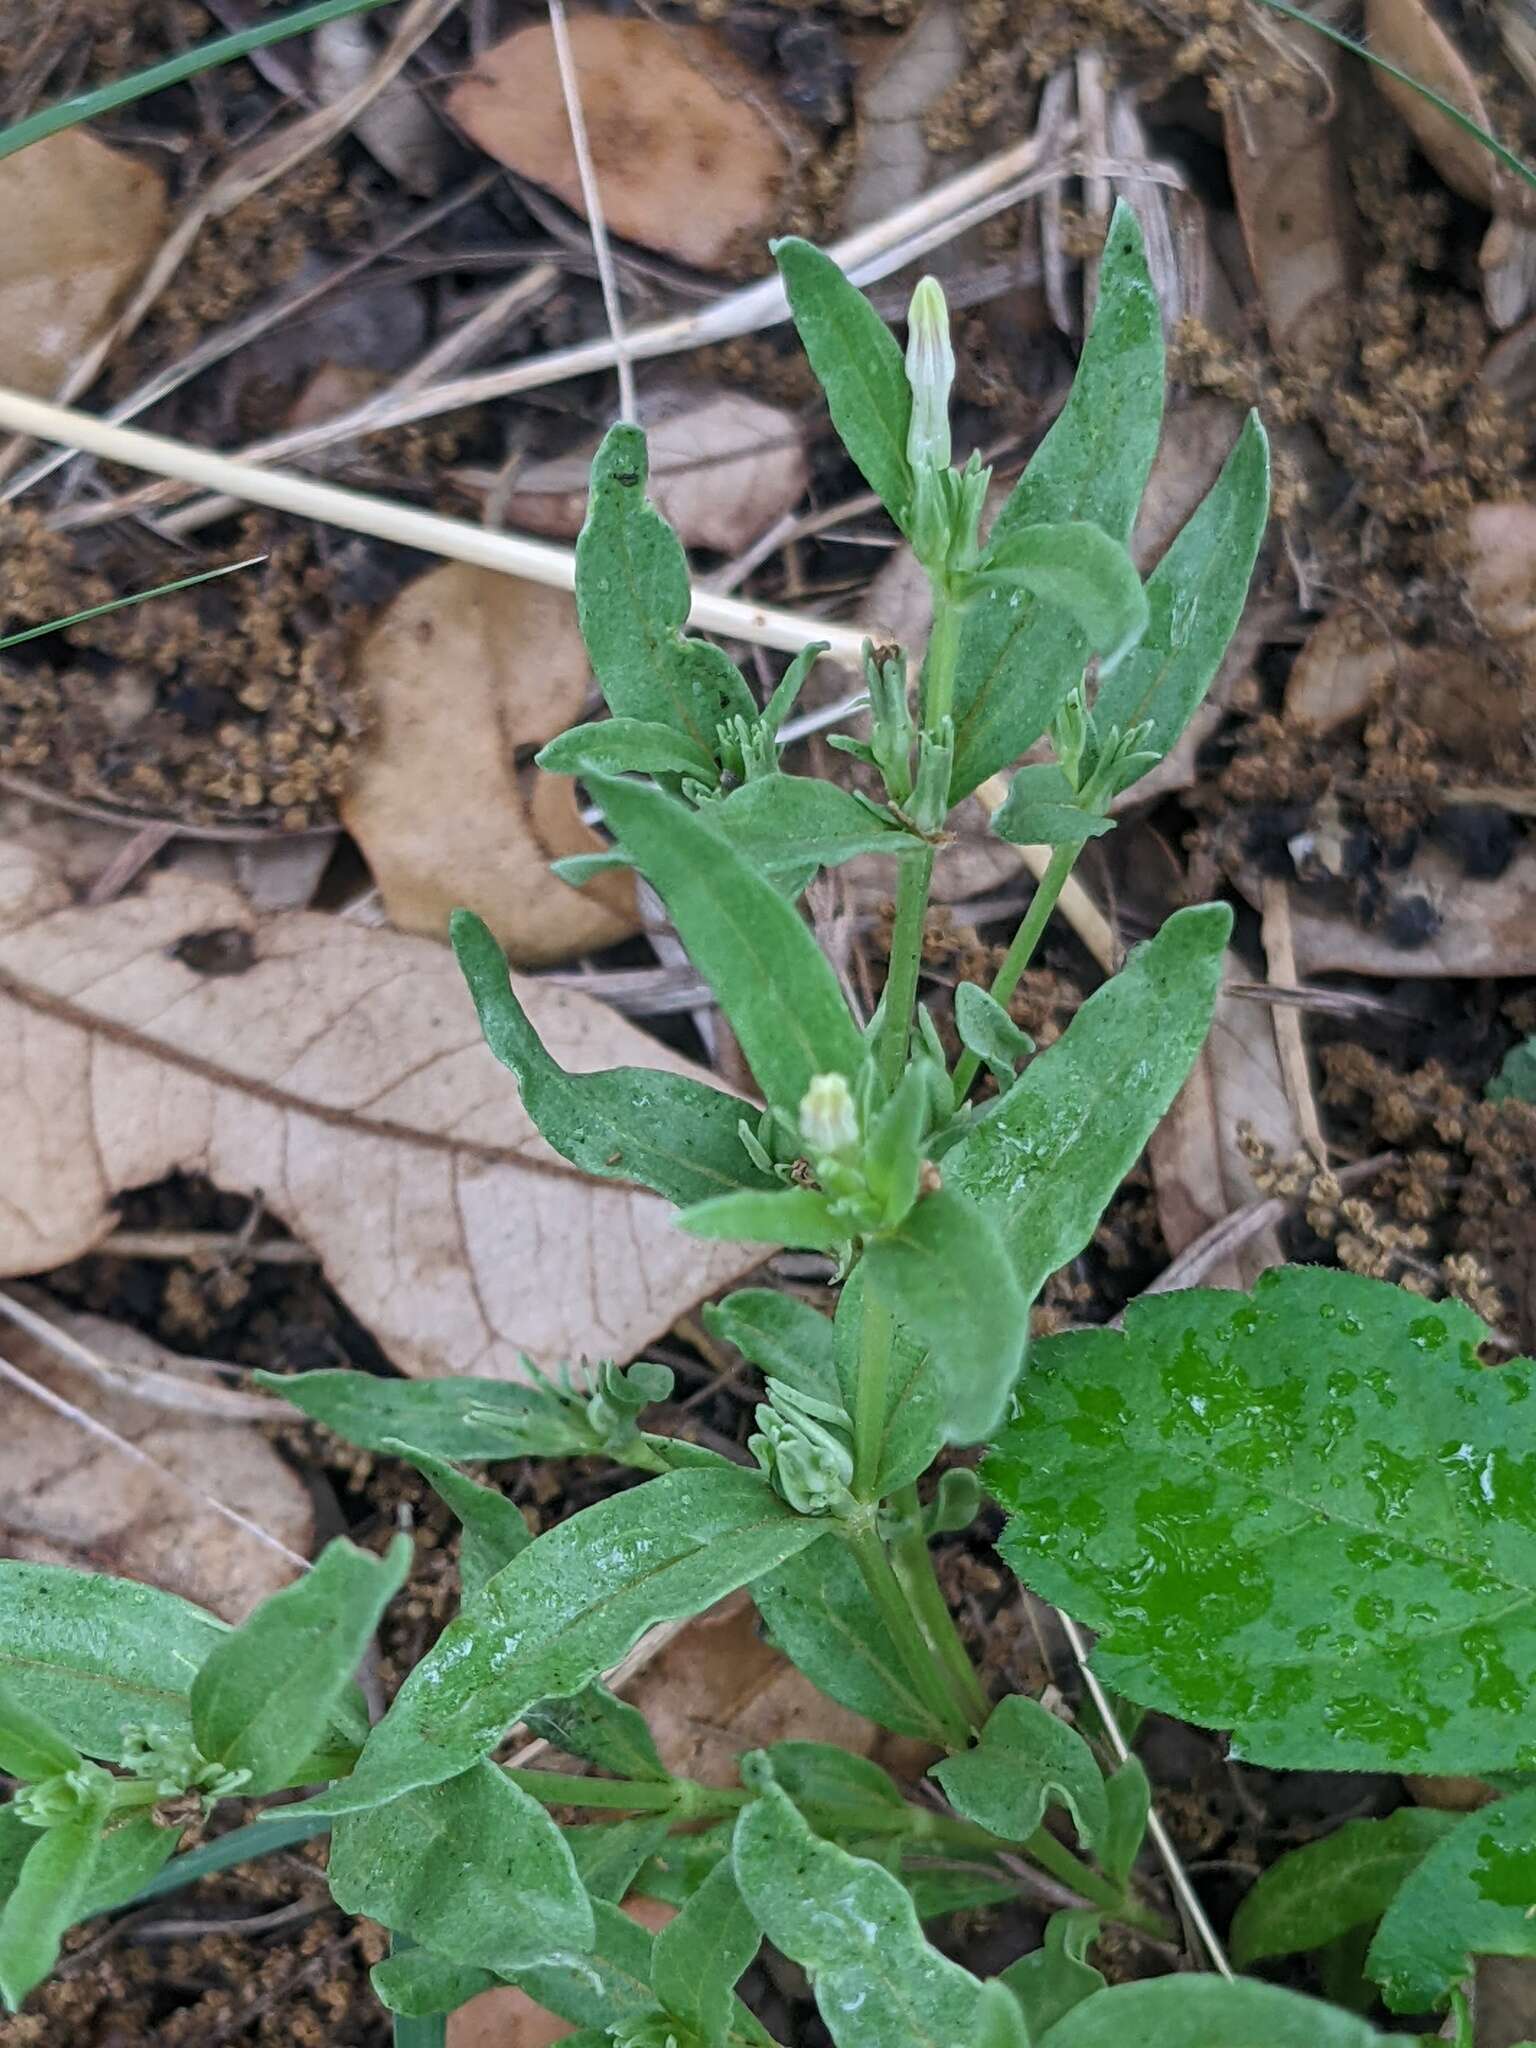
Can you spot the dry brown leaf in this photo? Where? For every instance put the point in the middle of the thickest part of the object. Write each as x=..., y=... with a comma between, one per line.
x=687, y=159
x=1487, y=928
x=1408, y=33
x=1337, y=676
x=1501, y=574
x=68, y=1497
x=1198, y=1168
x=399, y=130
x=724, y=467
x=342, y=1076
x=82, y=221
x=463, y=671
x=1197, y=439
x=898, y=81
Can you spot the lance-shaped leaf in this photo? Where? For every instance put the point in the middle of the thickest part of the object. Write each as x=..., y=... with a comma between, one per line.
x=945, y=1274
x=858, y=364
x=49, y=1894
x=878, y=1981
x=1044, y=1164
x=31, y=1747
x=1041, y=809
x=473, y=1869
x=794, y=824
x=698, y=1957
x=605, y=1985
x=1195, y=597
x=606, y=1731
x=263, y=1699
x=1474, y=1894
x=609, y=1854
x=1075, y=567
x=840, y=1793
x=492, y=1527
x=567, y=1610
x=1308, y=1515
x=1025, y=1760
x=418, y=1984
x=441, y=1417
x=987, y=1030
x=780, y=1335
x=669, y=1132
x=632, y=599
x=1198, y=2012
x=1324, y=1889
x=767, y=972
x=1129, y=1799
x=793, y=1216
x=628, y=746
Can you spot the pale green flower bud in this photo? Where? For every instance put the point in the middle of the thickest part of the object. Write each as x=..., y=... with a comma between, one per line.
x=930, y=372
x=829, y=1120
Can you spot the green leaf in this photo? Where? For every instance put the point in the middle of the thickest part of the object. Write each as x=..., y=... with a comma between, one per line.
x=781, y=1335
x=31, y=1747
x=609, y=1854
x=681, y=1864
x=841, y=1793
x=568, y=1609
x=858, y=364
x=419, y=1984
x=493, y=1528
x=474, y=1869
x=987, y=1030
x=1018, y=661
x=1057, y=1976
x=795, y=1216
x=817, y=1611
x=759, y=957
x=698, y=1957
x=264, y=1697
x=1128, y=1797
x=434, y=1415
x=1045, y=1163
x=1517, y=1076
x=915, y=1393
x=1473, y=1894
x=134, y=1849
x=280, y=1830
x=1195, y=597
x=853, y=1927
x=1322, y=1890
x=1000, y=2020
x=793, y=823
x=1304, y=1515
x=95, y=1655
x=946, y=1276
x=1025, y=1759
x=605, y=1985
x=606, y=1731
x=669, y=1132
x=1041, y=809
x=49, y=1895
x=1075, y=567
x=632, y=600
x=1208, y=2012
x=936, y=1892
x=628, y=746
x=16, y=1840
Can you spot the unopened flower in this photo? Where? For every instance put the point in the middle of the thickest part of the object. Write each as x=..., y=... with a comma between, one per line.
x=930, y=373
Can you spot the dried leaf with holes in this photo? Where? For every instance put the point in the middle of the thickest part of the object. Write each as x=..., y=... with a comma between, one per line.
x=68, y=1496
x=689, y=158
x=466, y=671
x=1198, y=1167
x=82, y=221
x=340, y=1071
x=724, y=467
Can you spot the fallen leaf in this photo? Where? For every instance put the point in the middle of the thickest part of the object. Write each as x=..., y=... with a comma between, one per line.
x=82, y=221
x=1348, y=661
x=898, y=80
x=1486, y=928
x=399, y=129
x=724, y=467
x=69, y=1497
x=1199, y=1171
x=1501, y=572
x=508, y=2018
x=341, y=1074
x=1507, y=260
x=1197, y=438
x=1407, y=33
x=464, y=670
x=687, y=160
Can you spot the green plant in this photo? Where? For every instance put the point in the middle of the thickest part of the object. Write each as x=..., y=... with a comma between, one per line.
x=1303, y=1515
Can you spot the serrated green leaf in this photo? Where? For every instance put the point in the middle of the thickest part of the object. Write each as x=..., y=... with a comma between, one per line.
x=1323, y=1889
x=1076, y=568
x=1208, y=2012
x=627, y=746
x=492, y=1527
x=698, y=1957
x=842, y=1794
x=474, y=1869
x=914, y=1426
x=780, y=1335
x=609, y=1855
x=606, y=1731
x=987, y=1030
x=794, y=824
x=632, y=601
x=793, y=1216
x=669, y=1132
x=434, y=1415
x=1057, y=1976
x=859, y=366
x=418, y=1984
x=1025, y=1759
x=1128, y=1797
x=49, y=1895
x=1195, y=597
x=1045, y=1163
x=1305, y=1515
x=817, y=1611
x=1473, y=1894
x=265, y=1695
x=30, y=1746
x=944, y=1272
x=565, y=1611
x=765, y=968
x=854, y=1928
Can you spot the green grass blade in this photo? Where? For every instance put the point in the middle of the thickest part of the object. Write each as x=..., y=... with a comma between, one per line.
x=118, y=604
x=280, y=1830
x=1506, y=157
x=86, y=106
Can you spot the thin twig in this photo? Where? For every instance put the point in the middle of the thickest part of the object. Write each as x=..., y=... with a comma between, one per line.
x=204, y=1244
x=1225, y=1236
x=592, y=198
x=1288, y=1022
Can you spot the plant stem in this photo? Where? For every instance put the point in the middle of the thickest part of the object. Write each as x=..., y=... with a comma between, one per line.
x=885, y=1590
x=875, y=1339
x=1019, y=954
x=940, y=661
x=1044, y=1849
x=914, y=877
x=914, y=1568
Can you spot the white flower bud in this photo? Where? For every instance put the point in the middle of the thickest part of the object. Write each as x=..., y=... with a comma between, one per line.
x=829, y=1121
x=930, y=372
